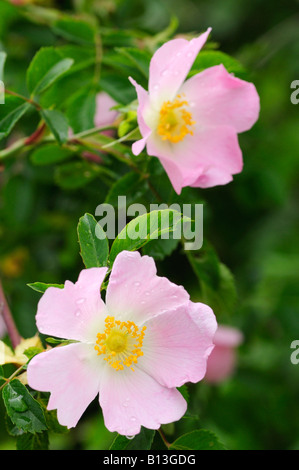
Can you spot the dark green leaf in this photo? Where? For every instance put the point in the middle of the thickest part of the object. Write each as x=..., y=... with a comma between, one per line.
x=29, y=441
x=75, y=30
x=81, y=111
x=49, y=154
x=131, y=185
x=137, y=57
x=94, y=250
x=24, y=411
x=57, y=123
x=10, y=113
x=142, y=441
x=206, y=59
x=197, y=440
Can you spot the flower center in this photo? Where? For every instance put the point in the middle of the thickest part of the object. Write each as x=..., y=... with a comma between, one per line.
x=120, y=343
x=175, y=121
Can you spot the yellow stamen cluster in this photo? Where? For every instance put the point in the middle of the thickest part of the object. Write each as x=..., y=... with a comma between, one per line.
x=175, y=120
x=121, y=343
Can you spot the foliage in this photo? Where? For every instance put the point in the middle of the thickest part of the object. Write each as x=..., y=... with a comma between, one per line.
x=53, y=61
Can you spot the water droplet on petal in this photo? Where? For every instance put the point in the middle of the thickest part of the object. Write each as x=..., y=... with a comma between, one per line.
x=80, y=301
x=137, y=284
x=156, y=87
x=133, y=418
x=77, y=313
x=130, y=437
x=164, y=72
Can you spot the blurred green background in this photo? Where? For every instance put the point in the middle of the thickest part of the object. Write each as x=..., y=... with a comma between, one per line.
x=252, y=222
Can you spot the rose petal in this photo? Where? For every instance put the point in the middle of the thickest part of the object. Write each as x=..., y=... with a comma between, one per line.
x=72, y=374
x=170, y=66
x=177, y=344
x=136, y=293
x=104, y=115
x=207, y=158
x=131, y=399
x=74, y=311
x=143, y=106
x=220, y=99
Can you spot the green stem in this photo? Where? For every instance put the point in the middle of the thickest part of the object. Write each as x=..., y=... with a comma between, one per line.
x=28, y=100
x=16, y=372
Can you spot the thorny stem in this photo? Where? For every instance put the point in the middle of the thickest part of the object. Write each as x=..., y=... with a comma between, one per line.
x=12, y=331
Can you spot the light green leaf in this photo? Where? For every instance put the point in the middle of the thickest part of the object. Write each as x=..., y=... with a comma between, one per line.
x=145, y=228
x=3, y=56
x=42, y=287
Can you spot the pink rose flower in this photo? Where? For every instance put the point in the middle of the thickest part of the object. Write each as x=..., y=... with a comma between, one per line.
x=222, y=361
x=192, y=126
x=133, y=350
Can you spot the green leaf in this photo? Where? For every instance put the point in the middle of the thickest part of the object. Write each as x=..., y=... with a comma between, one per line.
x=149, y=227
x=118, y=87
x=24, y=411
x=143, y=441
x=29, y=441
x=10, y=113
x=197, y=440
x=131, y=185
x=57, y=123
x=3, y=56
x=206, y=265
x=75, y=30
x=50, y=154
x=206, y=59
x=81, y=112
x=42, y=287
x=52, y=75
x=185, y=392
x=160, y=249
x=223, y=299
x=137, y=57
x=12, y=428
x=94, y=250
x=74, y=175
x=33, y=351
x=45, y=68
